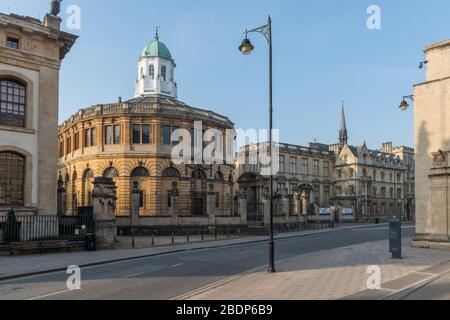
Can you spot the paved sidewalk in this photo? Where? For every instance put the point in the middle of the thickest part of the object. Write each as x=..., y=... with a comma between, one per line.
x=15, y=266
x=330, y=274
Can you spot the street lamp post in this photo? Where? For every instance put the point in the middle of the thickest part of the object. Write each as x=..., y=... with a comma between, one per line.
x=404, y=105
x=246, y=48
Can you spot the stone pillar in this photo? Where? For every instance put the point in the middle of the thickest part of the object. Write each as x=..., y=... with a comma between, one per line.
x=285, y=206
x=135, y=205
x=305, y=202
x=61, y=199
x=174, y=203
x=241, y=199
x=294, y=204
x=211, y=205
x=104, y=198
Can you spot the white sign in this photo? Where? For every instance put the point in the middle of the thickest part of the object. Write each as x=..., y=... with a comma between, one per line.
x=325, y=211
x=347, y=211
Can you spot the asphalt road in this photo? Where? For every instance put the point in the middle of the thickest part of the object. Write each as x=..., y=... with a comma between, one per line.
x=168, y=276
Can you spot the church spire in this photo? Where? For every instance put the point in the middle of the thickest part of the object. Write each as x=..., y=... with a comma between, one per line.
x=343, y=135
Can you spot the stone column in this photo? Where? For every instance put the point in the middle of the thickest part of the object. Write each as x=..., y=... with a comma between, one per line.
x=294, y=203
x=285, y=206
x=62, y=199
x=104, y=198
x=242, y=207
x=305, y=202
x=174, y=203
x=134, y=205
x=211, y=205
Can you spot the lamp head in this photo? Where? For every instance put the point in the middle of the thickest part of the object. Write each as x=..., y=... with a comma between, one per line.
x=246, y=47
x=404, y=105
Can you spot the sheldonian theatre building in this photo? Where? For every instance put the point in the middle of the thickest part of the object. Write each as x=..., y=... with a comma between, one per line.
x=132, y=143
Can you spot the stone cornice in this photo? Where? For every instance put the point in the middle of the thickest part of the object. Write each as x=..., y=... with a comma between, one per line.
x=32, y=26
x=147, y=109
x=431, y=81
x=30, y=60
x=438, y=45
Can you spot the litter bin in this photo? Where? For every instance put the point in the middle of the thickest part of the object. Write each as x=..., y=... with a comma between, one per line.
x=90, y=242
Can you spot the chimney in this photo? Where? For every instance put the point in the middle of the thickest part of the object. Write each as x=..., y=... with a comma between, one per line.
x=387, y=147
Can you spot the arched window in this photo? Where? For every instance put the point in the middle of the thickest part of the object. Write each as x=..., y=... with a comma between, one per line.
x=218, y=176
x=140, y=172
x=88, y=174
x=12, y=103
x=142, y=73
x=171, y=173
x=151, y=72
x=12, y=177
x=198, y=174
x=163, y=73
x=110, y=173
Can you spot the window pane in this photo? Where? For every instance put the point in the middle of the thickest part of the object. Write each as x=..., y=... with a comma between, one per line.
x=175, y=135
x=12, y=43
x=136, y=134
x=12, y=103
x=76, y=141
x=93, y=137
x=12, y=175
x=108, y=135
x=166, y=134
x=86, y=138
x=117, y=134
x=145, y=134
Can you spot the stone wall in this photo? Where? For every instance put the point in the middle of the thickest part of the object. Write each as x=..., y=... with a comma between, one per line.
x=432, y=136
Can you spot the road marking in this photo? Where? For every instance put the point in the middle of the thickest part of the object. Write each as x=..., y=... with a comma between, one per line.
x=218, y=283
x=50, y=294
x=177, y=265
x=135, y=274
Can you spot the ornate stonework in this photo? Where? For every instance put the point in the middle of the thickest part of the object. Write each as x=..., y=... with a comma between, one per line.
x=440, y=159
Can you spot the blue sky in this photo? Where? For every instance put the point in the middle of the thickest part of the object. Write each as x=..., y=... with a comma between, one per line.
x=323, y=53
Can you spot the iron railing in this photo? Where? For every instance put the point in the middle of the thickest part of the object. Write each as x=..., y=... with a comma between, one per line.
x=19, y=228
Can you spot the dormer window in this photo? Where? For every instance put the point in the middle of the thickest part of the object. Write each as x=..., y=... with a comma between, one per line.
x=12, y=43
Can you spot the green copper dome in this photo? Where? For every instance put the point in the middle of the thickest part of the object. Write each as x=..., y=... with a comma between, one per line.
x=156, y=49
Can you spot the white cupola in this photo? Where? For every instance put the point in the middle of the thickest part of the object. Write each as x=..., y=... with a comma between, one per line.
x=156, y=71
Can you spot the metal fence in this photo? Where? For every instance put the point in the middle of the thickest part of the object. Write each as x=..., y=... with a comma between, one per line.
x=19, y=228
x=255, y=214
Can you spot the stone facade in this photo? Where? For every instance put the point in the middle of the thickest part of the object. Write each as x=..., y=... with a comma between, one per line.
x=31, y=52
x=302, y=185
x=330, y=182
x=432, y=137
x=374, y=183
x=132, y=142
x=146, y=165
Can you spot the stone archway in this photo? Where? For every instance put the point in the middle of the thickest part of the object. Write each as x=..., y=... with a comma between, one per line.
x=253, y=185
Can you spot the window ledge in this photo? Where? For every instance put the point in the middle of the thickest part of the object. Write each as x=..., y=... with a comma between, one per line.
x=17, y=129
